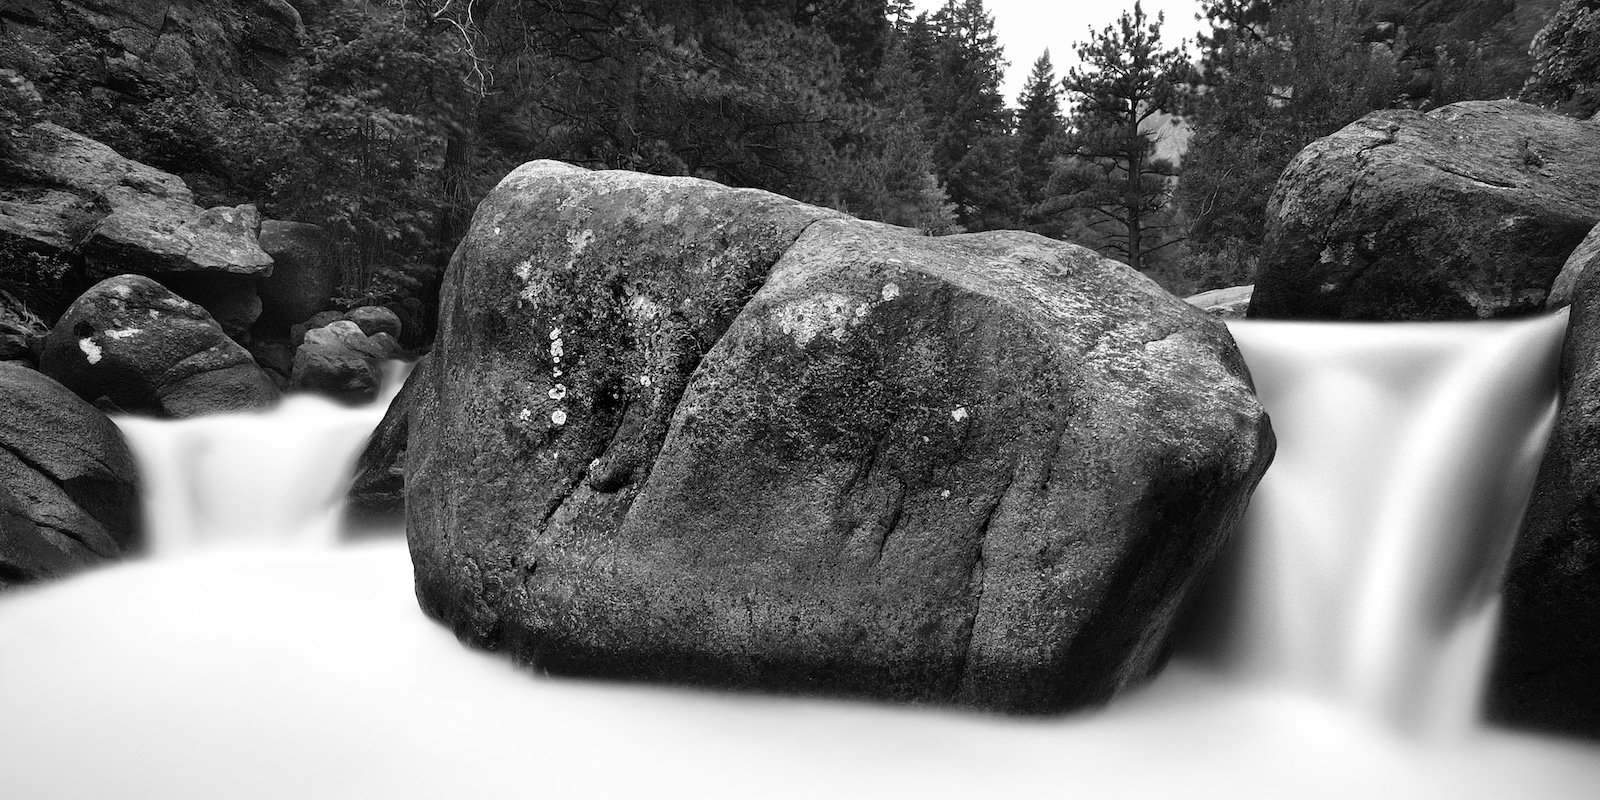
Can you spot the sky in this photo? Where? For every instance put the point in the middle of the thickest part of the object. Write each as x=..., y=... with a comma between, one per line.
x=1027, y=27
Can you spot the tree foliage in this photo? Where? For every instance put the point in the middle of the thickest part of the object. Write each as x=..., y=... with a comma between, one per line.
x=1566, y=61
x=1126, y=80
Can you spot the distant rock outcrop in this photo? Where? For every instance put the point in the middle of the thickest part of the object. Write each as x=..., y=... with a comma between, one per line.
x=130, y=343
x=1229, y=303
x=688, y=433
x=69, y=489
x=1465, y=212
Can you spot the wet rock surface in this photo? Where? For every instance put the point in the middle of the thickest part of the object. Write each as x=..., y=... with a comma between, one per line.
x=131, y=342
x=1467, y=211
x=69, y=489
x=694, y=434
x=1548, y=653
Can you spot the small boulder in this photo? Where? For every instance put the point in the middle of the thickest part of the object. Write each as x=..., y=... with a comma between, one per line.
x=130, y=341
x=1467, y=211
x=297, y=334
x=69, y=488
x=374, y=320
x=339, y=361
x=1229, y=303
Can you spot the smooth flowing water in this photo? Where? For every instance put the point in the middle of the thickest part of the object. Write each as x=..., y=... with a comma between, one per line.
x=1339, y=655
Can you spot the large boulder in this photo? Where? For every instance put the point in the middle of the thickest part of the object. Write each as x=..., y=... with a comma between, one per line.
x=1464, y=212
x=70, y=197
x=1547, y=665
x=686, y=433
x=140, y=348
x=69, y=489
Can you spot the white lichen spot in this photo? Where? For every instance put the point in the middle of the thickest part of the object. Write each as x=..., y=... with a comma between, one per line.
x=153, y=313
x=945, y=494
x=525, y=414
x=830, y=312
x=90, y=350
x=891, y=290
x=557, y=349
x=497, y=230
x=555, y=373
x=959, y=414
x=558, y=392
x=555, y=334
x=558, y=417
x=125, y=333
x=578, y=241
x=644, y=380
x=122, y=290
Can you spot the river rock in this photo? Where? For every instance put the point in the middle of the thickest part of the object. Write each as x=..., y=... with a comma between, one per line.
x=1464, y=212
x=131, y=342
x=303, y=277
x=374, y=320
x=1546, y=672
x=377, y=492
x=339, y=361
x=693, y=434
x=69, y=489
x=1229, y=303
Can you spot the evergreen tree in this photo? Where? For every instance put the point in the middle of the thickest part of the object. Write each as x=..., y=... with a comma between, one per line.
x=1040, y=129
x=961, y=64
x=1127, y=79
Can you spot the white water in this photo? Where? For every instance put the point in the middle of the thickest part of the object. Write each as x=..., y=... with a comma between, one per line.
x=309, y=672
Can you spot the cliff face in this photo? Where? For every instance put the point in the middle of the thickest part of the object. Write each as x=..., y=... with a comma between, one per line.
x=157, y=80
x=134, y=50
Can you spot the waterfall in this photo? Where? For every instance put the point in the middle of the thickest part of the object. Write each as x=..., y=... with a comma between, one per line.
x=1368, y=565
x=1346, y=631
x=256, y=479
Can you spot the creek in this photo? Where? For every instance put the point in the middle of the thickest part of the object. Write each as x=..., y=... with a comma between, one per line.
x=1340, y=649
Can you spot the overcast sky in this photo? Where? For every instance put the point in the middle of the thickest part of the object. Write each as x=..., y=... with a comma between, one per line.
x=1027, y=27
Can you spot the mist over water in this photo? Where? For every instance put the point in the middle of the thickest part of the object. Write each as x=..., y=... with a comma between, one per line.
x=1340, y=654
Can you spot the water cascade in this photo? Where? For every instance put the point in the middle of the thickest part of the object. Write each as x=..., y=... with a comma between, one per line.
x=1339, y=654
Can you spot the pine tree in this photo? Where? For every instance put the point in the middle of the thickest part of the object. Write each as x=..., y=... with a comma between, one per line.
x=1566, y=53
x=1127, y=79
x=961, y=63
x=1040, y=129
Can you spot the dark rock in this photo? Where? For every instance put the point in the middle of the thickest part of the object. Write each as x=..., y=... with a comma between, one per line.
x=231, y=300
x=275, y=357
x=1465, y=212
x=69, y=489
x=130, y=340
x=982, y=470
x=374, y=320
x=1229, y=303
x=339, y=361
x=1546, y=672
x=303, y=277
x=377, y=494
x=1584, y=259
